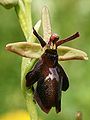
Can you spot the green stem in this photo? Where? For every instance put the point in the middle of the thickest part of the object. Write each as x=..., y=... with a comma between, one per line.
x=23, y=10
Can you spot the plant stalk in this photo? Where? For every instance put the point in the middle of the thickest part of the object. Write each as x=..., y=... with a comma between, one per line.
x=23, y=10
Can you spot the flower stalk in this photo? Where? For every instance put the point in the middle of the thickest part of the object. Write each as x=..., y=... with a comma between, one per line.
x=23, y=10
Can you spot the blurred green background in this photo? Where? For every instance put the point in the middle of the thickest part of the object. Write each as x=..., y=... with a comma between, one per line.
x=67, y=17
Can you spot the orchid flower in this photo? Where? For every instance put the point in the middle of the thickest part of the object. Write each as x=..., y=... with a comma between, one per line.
x=30, y=50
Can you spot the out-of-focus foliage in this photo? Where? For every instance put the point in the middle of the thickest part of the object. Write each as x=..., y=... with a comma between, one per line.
x=67, y=17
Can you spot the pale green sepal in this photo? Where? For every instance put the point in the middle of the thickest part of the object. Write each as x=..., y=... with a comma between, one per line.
x=25, y=49
x=68, y=53
x=46, y=24
x=8, y=3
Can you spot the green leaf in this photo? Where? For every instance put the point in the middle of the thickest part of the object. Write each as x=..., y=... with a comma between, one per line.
x=23, y=10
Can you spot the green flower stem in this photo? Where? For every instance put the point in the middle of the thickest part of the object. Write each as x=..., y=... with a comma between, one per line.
x=31, y=106
x=23, y=10
x=27, y=64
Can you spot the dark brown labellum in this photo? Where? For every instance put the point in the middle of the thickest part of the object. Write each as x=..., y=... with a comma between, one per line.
x=49, y=75
x=51, y=80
